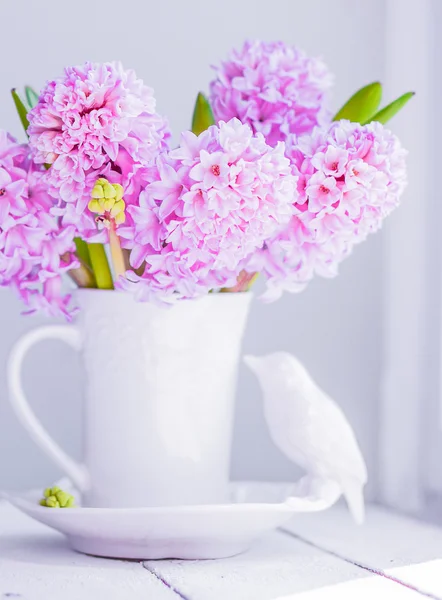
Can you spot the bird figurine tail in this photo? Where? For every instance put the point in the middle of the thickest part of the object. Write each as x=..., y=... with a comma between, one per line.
x=354, y=495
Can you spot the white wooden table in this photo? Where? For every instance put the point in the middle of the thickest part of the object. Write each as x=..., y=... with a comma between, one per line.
x=316, y=557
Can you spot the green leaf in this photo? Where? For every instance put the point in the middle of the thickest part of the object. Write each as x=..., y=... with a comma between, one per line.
x=31, y=96
x=82, y=252
x=202, y=115
x=21, y=109
x=100, y=266
x=386, y=113
x=362, y=105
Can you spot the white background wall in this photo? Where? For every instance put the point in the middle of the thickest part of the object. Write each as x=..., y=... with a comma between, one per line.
x=335, y=326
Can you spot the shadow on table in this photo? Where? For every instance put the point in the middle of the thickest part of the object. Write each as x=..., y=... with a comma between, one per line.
x=48, y=550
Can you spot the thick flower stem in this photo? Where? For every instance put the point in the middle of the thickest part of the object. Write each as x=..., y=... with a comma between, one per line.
x=118, y=259
x=100, y=266
x=83, y=277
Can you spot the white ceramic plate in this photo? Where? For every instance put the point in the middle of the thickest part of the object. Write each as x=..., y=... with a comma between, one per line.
x=187, y=532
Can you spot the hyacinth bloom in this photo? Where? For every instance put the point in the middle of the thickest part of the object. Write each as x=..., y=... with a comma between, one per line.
x=351, y=177
x=275, y=188
x=97, y=120
x=275, y=88
x=34, y=249
x=212, y=203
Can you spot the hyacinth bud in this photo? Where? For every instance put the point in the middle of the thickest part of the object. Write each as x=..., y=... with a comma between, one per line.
x=56, y=498
x=107, y=202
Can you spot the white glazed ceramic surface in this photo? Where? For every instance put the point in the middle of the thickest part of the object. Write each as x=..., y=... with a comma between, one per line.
x=187, y=532
x=160, y=388
x=310, y=428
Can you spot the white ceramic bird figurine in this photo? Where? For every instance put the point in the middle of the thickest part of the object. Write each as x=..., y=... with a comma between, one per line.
x=309, y=427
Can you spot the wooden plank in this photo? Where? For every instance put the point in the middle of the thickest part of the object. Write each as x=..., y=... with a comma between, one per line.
x=359, y=589
x=426, y=577
x=400, y=547
x=37, y=564
x=277, y=566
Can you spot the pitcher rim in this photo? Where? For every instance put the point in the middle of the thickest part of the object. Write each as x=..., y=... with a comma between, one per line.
x=95, y=291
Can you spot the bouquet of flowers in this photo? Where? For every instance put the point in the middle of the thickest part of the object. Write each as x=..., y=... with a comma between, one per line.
x=267, y=182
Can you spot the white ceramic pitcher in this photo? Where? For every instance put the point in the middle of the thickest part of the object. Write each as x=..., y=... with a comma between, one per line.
x=160, y=388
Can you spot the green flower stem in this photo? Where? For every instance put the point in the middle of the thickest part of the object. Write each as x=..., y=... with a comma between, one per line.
x=100, y=267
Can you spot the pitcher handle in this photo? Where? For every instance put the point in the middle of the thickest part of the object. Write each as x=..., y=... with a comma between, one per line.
x=70, y=335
